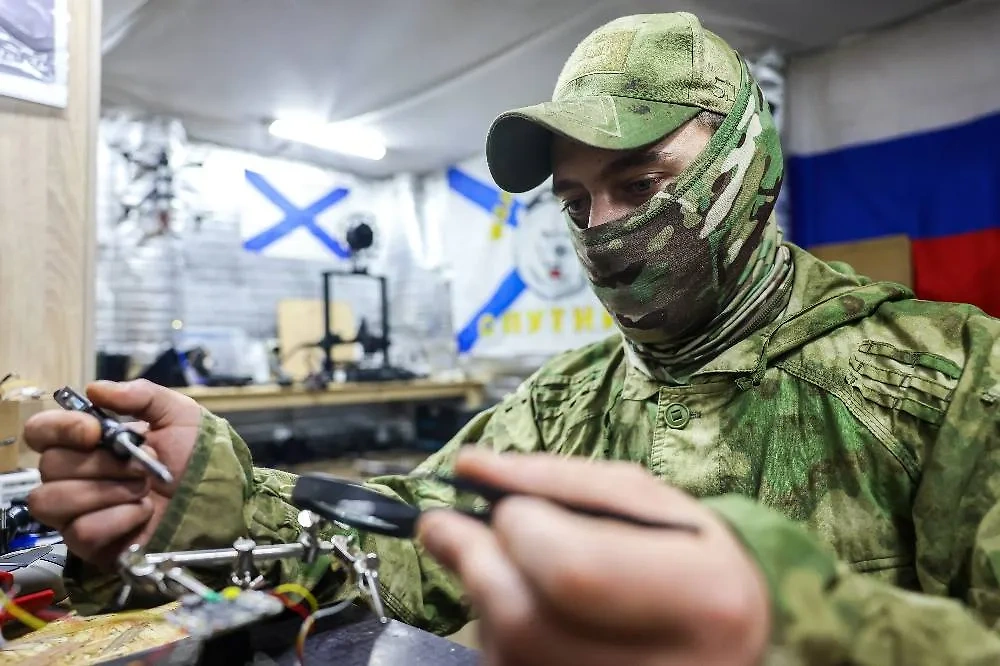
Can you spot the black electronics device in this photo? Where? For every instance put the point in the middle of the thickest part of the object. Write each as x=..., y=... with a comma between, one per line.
x=360, y=237
x=167, y=370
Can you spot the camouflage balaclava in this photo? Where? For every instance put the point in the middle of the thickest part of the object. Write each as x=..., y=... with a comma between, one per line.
x=700, y=265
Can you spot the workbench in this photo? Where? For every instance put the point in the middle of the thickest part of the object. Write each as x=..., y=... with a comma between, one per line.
x=358, y=641
x=271, y=396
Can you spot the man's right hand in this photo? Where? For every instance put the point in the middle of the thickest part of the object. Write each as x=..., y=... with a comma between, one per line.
x=100, y=504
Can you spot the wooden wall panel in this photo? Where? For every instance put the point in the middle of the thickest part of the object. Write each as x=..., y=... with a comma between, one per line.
x=47, y=239
x=885, y=258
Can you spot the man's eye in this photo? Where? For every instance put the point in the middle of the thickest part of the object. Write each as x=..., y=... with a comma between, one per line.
x=642, y=186
x=574, y=206
x=578, y=211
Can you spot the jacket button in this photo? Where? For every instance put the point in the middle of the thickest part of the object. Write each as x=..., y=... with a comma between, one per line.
x=677, y=415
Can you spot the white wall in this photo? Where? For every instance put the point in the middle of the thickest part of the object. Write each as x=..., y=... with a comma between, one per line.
x=939, y=70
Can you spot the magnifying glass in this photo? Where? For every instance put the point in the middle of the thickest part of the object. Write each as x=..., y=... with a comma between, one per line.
x=355, y=505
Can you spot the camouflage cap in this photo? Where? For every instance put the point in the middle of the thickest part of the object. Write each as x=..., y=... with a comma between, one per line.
x=628, y=84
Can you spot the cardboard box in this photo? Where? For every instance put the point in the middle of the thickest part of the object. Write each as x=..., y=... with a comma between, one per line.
x=882, y=259
x=300, y=322
x=13, y=414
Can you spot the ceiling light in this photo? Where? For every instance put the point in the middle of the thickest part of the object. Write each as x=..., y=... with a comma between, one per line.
x=343, y=138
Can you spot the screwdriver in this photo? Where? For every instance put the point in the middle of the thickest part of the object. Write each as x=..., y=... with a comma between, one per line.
x=119, y=440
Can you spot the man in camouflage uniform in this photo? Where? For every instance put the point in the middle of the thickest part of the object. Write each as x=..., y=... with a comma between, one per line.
x=846, y=433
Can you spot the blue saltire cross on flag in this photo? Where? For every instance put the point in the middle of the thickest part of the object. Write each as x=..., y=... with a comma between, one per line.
x=295, y=217
x=487, y=197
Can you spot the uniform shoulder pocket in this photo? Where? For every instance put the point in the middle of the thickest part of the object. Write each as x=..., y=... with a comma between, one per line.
x=917, y=383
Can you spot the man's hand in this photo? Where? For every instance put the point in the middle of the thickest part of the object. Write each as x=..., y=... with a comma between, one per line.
x=99, y=503
x=555, y=587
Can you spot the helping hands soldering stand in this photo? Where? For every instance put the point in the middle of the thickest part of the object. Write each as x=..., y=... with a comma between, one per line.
x=322, y=499
x=164, y=572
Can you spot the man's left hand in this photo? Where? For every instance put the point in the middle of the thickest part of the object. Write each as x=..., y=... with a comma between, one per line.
x=555, y=587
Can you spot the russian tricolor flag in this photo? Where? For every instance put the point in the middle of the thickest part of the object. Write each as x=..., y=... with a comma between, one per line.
x=899, y=132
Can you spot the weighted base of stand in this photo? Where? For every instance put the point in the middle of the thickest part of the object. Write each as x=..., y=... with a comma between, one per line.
x=368, y=642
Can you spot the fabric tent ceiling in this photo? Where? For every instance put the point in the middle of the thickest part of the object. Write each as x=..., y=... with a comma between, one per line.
x=430, y=75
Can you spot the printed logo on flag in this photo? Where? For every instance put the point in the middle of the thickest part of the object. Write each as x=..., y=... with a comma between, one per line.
x=518, y=286
x=543, y=252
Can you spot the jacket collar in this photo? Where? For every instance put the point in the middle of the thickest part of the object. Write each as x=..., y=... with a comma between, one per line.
x=824, y=296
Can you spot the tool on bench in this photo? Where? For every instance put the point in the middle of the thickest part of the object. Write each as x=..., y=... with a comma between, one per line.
x=115, y=436
x=36, y=569
x=33, y=603
x=34, y=575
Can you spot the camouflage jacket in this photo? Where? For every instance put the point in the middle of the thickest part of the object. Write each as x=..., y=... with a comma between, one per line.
x=854, y=447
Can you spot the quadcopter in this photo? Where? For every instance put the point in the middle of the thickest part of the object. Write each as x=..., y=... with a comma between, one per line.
x=160, y=201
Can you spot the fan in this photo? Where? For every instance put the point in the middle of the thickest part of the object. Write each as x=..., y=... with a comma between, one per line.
x=359, y=232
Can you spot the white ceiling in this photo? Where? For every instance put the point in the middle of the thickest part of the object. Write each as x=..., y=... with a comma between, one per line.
x=429, y=74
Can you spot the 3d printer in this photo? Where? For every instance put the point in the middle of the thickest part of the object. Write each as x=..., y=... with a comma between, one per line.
x=360, y=237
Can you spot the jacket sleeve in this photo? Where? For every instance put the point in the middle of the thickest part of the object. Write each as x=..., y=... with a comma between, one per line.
x=222, y=496
x=824, y=613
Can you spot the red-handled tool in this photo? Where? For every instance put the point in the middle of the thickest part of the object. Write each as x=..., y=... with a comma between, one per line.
x=33, y=603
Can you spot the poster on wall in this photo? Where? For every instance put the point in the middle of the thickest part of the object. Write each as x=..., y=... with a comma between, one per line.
x=34, y=56
x=517, y=286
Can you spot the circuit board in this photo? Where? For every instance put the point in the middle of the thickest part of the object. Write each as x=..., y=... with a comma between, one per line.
x=204, y=618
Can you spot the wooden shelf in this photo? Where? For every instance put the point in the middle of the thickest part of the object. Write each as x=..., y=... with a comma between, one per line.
x=264, y=397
